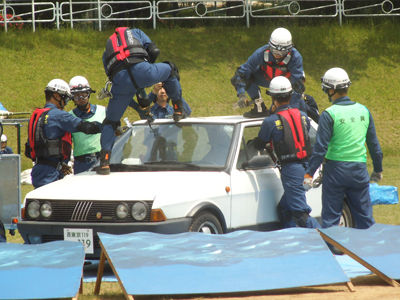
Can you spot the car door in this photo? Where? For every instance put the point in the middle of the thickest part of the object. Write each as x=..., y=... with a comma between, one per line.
x=256, y=191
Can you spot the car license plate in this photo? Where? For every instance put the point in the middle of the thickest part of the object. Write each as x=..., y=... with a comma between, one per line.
x=84, y=236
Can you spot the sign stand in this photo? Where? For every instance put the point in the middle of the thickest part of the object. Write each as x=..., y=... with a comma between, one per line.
x=100, y=272
x=389, y=280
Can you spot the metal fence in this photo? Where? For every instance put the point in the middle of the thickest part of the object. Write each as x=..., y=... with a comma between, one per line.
x=98, y=14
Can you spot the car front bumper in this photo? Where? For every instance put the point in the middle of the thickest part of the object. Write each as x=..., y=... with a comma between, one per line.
x=36, y=232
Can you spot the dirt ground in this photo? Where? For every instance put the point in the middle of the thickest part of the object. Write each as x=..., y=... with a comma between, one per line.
x=366, y=287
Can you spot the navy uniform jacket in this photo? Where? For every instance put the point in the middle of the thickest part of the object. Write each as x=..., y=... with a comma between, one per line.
x=256, y=60
x=324, y=135
x=7, y=150
x=85, y=114
x=57, y=123
x=162, y=112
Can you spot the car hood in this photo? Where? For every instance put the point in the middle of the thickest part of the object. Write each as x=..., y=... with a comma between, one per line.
x=130, y=185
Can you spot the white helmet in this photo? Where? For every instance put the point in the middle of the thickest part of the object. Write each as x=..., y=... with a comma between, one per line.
x=280, y=41
x=335, y=78
x=280, y=87
x=61, y=87
x=3, y=138
x=79, y=84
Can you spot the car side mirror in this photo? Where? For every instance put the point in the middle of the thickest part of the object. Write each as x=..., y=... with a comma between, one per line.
x=258, y=162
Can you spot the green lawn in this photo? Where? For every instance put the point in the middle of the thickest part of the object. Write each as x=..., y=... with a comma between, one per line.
x=207, y=58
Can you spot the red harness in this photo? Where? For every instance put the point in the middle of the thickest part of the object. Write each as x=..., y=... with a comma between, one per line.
x=122, y=46
x=42, y=147
x=273, y=69
x=295, y=145
x=293, y=117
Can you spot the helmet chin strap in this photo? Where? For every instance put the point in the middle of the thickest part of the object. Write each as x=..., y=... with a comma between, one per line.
x=326, y=91
x=330, y=96
x=60, y=103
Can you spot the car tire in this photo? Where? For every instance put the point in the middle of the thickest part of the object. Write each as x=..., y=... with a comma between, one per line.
x=206, y=223
x=346, y=219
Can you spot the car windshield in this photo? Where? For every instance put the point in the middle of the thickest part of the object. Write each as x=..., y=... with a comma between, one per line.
x=169, y=145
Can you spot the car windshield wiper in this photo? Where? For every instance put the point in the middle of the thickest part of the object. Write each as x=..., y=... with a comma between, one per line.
x=126, y=167
x=173, y=162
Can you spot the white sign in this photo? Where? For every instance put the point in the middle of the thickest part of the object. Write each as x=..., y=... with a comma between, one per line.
x=84, y=236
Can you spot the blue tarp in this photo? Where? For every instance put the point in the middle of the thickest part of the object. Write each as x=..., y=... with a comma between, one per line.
x=383, y=194
x=196, y=263
x=2, y=107
x=43, y=271
x=378, y=245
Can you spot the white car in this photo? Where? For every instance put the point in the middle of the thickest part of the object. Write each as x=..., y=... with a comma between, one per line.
x=166, y=177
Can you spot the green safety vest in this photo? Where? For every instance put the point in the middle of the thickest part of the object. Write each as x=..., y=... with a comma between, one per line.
x=350, y=125
x=88, y=143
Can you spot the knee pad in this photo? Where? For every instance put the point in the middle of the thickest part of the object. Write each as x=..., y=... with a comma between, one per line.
x=300, y=218
x=174, y=69
x=142, y=98
x=112, y=123
x=153, y=52
x=239, y=78
x=284, y=215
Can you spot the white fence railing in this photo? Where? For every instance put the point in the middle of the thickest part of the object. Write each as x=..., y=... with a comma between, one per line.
x=96, y=13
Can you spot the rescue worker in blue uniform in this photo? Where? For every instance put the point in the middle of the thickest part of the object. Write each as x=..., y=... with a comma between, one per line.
x=129, y=63
x=162, y=110
x=343, y=130
x=277, y=58
x=287, y=131
x=4, y=148
x=86, y=147
x=49, y=135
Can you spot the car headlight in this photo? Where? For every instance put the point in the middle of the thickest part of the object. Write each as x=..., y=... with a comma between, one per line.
x=122, y=211
x=139, y=210
x=33, y=209
x=46, y=210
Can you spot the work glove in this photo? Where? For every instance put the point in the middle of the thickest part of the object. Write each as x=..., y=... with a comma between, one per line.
x=243, y=101
x=118, y=131
x=375, y=176
x=307, y=182
x=66, y=169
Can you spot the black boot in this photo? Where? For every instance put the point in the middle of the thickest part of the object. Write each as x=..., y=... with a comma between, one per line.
x=104, y=168
x=254, y=113
x=178, y=110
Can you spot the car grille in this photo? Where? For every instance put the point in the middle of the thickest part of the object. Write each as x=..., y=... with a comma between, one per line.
x=86, y=211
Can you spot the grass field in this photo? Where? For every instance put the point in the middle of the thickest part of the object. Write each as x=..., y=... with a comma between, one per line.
x=207, y=58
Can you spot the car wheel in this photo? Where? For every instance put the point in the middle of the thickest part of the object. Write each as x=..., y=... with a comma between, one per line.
x=346, y=218
x=206, y=223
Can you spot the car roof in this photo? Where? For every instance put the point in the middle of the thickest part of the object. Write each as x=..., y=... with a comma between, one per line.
x=217, y=119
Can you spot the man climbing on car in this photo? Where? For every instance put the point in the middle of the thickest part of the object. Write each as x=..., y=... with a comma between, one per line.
x=129, y=64
x=278, y=58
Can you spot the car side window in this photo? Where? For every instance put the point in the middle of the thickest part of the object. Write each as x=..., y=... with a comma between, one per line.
x=246, y=152
x=313, y=135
